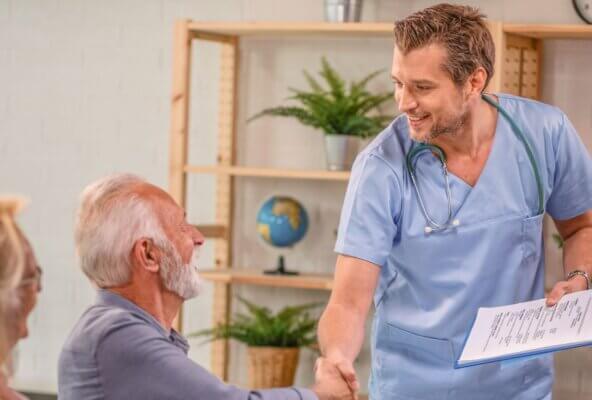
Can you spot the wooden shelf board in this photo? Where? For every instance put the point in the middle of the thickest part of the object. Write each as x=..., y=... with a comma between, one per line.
x=270, y=172
x=550, y=31
x=376, y=29
x=220, y=30
x=257, y=277
x=212, y=231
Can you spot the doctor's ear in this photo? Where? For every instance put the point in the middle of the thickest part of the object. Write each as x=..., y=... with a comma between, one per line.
x=146, y=254
x=476, y=82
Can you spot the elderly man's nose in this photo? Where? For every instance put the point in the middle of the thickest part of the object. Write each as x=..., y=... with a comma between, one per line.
x=198, y=237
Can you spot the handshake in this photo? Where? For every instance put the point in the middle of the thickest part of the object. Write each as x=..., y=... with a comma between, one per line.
x=335, y=380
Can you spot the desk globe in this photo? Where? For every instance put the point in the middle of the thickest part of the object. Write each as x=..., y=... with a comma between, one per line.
x=282, y=222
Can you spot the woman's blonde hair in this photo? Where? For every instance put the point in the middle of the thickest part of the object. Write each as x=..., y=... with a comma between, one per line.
x=12, y=264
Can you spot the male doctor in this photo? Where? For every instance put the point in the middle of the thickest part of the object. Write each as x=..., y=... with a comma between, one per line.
x=443, y=215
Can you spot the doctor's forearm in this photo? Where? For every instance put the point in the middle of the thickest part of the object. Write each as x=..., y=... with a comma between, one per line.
x=341, y=332
x=577, y=252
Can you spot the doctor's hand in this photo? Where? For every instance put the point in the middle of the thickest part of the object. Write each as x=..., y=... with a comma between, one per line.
x=335, y=379
x=575, y=284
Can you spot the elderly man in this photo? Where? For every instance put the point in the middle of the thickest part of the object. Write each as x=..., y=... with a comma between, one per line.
x=135, y=245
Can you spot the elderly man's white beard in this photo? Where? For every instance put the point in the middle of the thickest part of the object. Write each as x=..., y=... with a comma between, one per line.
x=179, y=278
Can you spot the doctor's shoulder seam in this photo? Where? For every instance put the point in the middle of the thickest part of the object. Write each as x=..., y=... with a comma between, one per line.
x=546, y=114
x=364, y=158
x=533, y=105
x=389, y=146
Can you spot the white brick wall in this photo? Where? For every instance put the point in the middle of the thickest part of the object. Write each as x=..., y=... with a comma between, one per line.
x=84, y=91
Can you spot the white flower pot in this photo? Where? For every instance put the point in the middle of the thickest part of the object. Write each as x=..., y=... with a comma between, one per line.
x=341, y=150
x=343, y=10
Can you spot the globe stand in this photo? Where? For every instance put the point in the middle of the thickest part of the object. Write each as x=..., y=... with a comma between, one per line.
x=280, y=269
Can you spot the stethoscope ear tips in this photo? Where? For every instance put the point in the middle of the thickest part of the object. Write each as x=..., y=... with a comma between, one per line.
x=428, y=229
x=456, y=222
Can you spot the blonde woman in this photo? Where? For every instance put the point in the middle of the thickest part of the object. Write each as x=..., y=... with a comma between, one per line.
x=19, y=284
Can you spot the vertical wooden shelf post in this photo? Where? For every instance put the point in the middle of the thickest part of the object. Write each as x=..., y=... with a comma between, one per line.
x=226, y=157
x=179, y=120
x=497, y=33
x=224, y=193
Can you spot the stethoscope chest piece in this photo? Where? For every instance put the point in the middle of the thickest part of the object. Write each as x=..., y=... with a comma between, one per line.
x=429, y=229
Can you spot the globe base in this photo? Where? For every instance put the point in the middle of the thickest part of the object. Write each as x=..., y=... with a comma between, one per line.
x=280, y=269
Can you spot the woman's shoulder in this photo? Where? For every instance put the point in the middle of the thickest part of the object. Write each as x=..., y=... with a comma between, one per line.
x=7, y=393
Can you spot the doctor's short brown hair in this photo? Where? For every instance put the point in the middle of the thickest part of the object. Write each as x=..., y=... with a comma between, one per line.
x=461, y=30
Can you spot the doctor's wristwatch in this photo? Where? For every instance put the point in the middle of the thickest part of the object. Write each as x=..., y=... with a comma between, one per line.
x=580, y=273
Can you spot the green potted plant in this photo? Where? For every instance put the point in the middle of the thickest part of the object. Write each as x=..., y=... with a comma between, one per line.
x=273, y=340
x=345, y=113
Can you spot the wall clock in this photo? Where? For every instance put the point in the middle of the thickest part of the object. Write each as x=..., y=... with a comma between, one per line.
x=584, y=9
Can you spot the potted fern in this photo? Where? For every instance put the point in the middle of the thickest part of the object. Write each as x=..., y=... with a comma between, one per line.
x=345, y=113
x=273, y=340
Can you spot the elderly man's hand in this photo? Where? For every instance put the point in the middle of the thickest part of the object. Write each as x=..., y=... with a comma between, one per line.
x=330, y=384
x=562, y=288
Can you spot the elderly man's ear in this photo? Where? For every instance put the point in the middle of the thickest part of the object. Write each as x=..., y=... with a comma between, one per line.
x=146, y=255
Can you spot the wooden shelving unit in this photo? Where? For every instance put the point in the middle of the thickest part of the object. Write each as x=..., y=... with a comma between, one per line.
x=518, y=71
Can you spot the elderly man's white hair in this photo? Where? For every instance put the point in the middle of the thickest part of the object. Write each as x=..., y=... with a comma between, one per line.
x=111, y=218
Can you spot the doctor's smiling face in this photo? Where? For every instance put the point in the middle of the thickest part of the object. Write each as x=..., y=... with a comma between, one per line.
x=434, y=104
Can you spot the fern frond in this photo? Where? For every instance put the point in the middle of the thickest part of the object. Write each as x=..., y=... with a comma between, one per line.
x=335, y=82
x=336, y=109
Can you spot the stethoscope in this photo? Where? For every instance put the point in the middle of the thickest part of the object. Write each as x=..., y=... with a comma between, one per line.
x=417, y=149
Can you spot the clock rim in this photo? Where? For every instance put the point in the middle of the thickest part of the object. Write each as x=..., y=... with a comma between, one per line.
x=580, y=13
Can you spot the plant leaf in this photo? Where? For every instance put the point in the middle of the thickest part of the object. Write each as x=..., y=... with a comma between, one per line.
x=336, y=109
x=290, y=327
x=361, y=84
x=336, y=84
x=312, y=82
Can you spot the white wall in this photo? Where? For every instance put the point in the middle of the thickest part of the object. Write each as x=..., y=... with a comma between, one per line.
x=85, y=89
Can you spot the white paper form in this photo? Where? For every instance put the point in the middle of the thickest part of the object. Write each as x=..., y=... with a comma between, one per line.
x=528, y=328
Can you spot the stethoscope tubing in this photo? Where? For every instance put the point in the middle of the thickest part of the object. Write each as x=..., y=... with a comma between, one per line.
x=415, y=150
x=529, y=152
x=432, y=224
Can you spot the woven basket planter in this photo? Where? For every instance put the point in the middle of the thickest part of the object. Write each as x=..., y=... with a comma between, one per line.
x=272, y=366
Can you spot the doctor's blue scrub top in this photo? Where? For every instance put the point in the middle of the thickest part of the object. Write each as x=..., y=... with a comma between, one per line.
x=431, y=285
